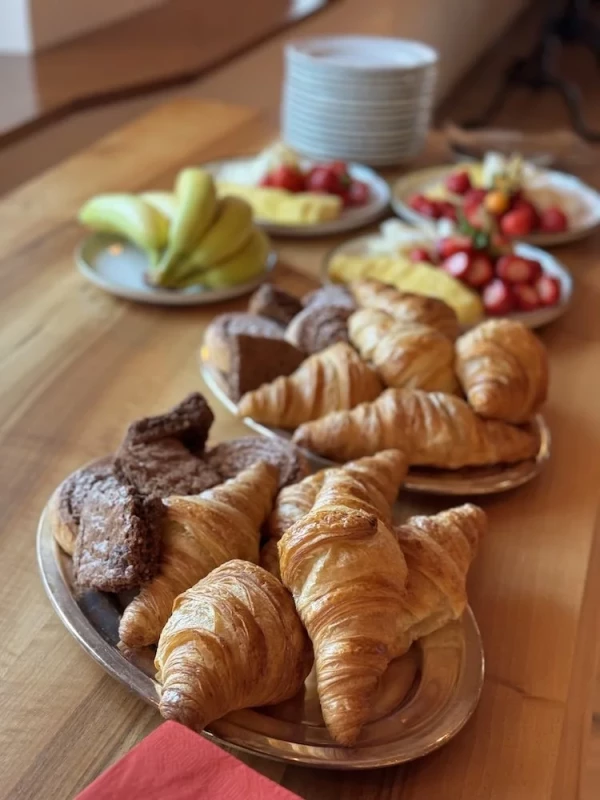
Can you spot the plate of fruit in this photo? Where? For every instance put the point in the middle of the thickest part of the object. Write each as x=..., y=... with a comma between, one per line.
x=519, y=200
x=188, y=246
x=294, y=196
x=477, y=273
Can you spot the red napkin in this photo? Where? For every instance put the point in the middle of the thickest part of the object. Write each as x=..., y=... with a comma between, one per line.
x=174, y=763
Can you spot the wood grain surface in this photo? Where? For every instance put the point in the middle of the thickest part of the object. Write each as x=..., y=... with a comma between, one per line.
x=78, y=364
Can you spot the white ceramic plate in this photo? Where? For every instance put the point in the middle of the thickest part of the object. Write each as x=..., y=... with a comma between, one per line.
x=582, y=203
x=533, y=319
x=350, y=219
x=118, y=267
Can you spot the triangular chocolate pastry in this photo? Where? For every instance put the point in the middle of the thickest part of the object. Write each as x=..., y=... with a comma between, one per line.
x=256, y=360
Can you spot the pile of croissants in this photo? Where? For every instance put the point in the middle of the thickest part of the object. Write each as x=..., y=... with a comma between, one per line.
x=340, y=586
x=406, y=379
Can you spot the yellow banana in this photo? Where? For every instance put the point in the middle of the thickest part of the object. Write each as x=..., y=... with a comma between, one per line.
x=164, y=202
x=128, y=216
x=240, y=267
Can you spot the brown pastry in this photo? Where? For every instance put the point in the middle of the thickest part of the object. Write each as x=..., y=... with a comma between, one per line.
x=405, y=355
x=118, y=545
x=216, y=347
x=405, y=306
x=269, y=558
x=333, y=379
x=332, y=295
x=433, y=429
x=67, y=501
x=160, y=455
x=233, y=641
x=318, y=327
x=274, y=303
x=503, y=369
x=256, y=360
x=230, y=458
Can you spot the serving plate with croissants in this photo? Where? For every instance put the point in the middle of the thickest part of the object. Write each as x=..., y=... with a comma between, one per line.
x=296, y=615
x=346, y=372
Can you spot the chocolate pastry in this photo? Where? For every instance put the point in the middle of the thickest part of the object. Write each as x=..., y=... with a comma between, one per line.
x=218, y=335
x=332, y=295
x=230, y=458
x=67, y=501
x=256, y=360
x=318, y=327
x=118, y=545
x=160, y=456
x=275, y=303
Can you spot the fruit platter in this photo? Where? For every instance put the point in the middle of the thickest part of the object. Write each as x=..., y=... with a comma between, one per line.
x=188, y=246
x=294, y=196
x=518, y=200
x=477, y=272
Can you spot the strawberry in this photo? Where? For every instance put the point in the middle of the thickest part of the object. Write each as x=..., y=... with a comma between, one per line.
x=417, y=201
x=515, y=269
x=498, y=298
x=522, y=203
x=481, y=270
x=447, y=210
x=420, y=254
x=423, y=205
x=526, y=297
x=536, y=270
x=517, y=223
x=553, y=220
x=287, y=177
x=458, y=182
x=474, y=198
x=458, y=243
x=548, y=290
x=457, y=265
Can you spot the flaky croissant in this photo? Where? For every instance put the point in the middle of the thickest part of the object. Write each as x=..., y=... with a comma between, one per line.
x=334, y=379
x=233, y=641
x=405, y=354
x=433, y=429
x=503, y=369
x=200, y=532
x=438, y=552
x=380, y=475
x=346, y=573
x=405, y=306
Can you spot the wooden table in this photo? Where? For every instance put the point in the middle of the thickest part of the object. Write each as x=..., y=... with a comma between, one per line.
x=78, y=364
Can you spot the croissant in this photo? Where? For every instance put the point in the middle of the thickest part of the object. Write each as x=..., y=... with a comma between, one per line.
x=503, y=369
x=234, y=641
x=380, y=475
x=438, y=552
x=334, y=379
x=269, y=558
x=433, y=429
x=405, y=306
x=200, y=532
x=346, y=574
x=405, y=355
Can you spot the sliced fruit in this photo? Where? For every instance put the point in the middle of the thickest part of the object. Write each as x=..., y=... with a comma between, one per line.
x=474, y=198
x=454, y=244
x=548, y=290
x=517, y=223
x=496, y=202
x=498, y=298
x=447, y=210
x=526, y=296
x=458, y=182
x=481, y=270
x=553, y=220
x=520, y=202
x=420, y=254
x=287, y=177
x=515, y=269
x=357, y=195
x=128, y=216
x=457, y=265
x=326, y=180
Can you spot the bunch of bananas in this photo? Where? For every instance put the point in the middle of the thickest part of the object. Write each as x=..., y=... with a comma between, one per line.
x=192, y=238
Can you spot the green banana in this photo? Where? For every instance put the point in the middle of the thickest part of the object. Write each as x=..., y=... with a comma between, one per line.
x=240, y=267
x=128, y=216
x=164, y=202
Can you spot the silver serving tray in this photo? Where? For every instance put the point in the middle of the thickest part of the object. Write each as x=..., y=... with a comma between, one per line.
x=426, y=696
x=460, y=482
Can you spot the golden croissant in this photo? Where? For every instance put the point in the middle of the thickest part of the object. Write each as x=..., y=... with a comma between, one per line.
x=200, y=532
x=346, y=574
x=233, y=641
x=405, y=306
x=380, y=475
x=405, y=355
x=438, y=552
x=503, y=369
x=333, y=379
x=432, y=428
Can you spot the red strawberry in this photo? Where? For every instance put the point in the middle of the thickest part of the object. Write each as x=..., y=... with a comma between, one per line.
x=447, y=210
x=515, y=269
x=497, y=298
x=457, y=265
x=526, y=297
x=536, y=269
x=474, y=198
x=417, y=201
x=454, y=244
x=517, y=223
x=481, y=270
x=458, y=182
x=521, y=203
x=548, y=290
x=420, y=254
x=423, y=205
x=553, y=220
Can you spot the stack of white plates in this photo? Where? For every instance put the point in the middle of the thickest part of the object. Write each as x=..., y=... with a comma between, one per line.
x=358, y=98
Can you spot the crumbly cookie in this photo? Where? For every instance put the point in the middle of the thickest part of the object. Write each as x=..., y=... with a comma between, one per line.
x=218, y=335
x=332, y=295
x=274, y=303
x=256, y=360
x=318, y=327
x=230, y=458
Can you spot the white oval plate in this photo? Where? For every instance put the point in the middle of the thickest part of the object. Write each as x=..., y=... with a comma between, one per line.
x=582, y=203
x=350, y=219
x=115, y=265
x=462, y=482
x=533, y=319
